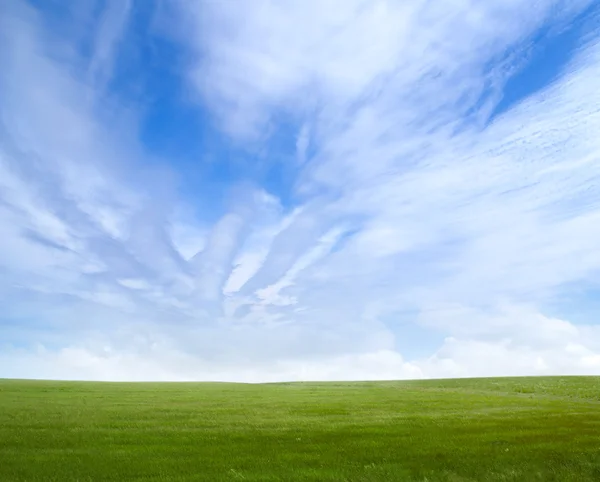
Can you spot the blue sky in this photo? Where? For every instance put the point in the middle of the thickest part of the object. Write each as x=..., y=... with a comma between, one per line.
x=294, y=190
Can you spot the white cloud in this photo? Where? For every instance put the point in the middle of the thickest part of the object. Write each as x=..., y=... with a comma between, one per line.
x=81, y=364
x=112, y=24
x=263, y=57
x=565, y=351
x=407, y=204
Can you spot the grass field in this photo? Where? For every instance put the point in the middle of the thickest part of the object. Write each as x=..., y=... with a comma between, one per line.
x=519, y=429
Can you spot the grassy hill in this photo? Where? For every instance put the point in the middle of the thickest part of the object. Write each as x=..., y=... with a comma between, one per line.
x=514, y=429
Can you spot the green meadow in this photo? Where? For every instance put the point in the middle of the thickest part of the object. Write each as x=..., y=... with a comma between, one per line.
x=513, y=429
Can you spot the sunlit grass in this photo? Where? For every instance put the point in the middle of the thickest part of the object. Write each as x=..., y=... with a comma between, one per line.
x=520, y=429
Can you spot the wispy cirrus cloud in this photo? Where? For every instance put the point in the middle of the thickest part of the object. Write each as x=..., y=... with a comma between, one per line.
x=416, y=201
x=111, y=25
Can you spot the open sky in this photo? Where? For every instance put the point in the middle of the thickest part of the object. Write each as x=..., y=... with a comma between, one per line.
x=299, y=189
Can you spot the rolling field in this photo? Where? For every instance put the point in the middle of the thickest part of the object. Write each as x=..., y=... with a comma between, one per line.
x=514, y=429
